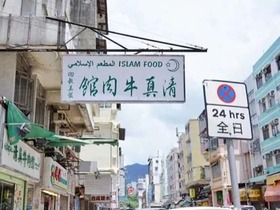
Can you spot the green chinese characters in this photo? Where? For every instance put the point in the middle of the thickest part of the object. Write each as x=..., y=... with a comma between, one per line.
x=22, y=156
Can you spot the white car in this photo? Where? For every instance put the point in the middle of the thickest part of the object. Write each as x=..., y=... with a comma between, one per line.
x=203, y=208
x=243, y=207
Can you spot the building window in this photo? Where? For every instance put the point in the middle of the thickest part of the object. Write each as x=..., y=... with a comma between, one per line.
x=277, y=158
x=269, y=161
x=271, y=99
x=267, y=73
x=216, y=170
x=105, y=105
x=275, y=127
x=156, y=168
x=28, y=8
x=259, y=82
x=262, y=105
x=58, y=8
x=265, y=131
x=40, y=104
x=23, y=90
x=278, y=62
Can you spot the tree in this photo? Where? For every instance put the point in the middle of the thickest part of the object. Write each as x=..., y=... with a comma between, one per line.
x=131, y=202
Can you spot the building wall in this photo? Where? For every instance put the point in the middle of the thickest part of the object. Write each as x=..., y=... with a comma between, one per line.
x=267, y=79
x=8, y=74
x=256, y=160
x=155, y=174
x=173, y=174
x=197, y=158
x=183, y=162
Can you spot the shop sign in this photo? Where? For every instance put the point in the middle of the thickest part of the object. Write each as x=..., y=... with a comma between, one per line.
x=123, y=78
x=21, y=157
x=100, y=198
x=192, y=192
x=56, y=175
x=254, y=193
x=71, y=184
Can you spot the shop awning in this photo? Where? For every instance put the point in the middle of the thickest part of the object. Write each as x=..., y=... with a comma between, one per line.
x=258, y=178
x=66, y=140
x=20, y=127
x=272, y=192
x=98, y=141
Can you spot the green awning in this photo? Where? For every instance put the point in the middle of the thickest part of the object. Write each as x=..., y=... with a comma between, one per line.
x=67, y=141
x=20, y=127
x=98, y=141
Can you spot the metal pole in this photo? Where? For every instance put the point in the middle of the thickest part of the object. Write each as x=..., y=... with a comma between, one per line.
x=233, y=174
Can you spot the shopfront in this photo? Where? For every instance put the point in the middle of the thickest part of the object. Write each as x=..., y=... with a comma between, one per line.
x=20, y=172
x=255, y=197
x=54, y=194
x=272, y=192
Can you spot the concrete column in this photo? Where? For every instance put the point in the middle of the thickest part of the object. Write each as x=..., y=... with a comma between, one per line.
x=8, y=64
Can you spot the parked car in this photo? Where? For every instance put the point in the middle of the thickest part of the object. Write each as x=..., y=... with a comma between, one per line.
x=203, y=208
x=243, y=207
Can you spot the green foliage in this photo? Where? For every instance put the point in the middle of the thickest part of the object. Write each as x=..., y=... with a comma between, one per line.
x=131, y=202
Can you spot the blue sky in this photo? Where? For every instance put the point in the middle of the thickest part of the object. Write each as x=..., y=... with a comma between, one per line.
x=236, y=34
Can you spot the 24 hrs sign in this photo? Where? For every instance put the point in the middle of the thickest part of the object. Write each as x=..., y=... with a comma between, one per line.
x=227, y=109
x=228, y=122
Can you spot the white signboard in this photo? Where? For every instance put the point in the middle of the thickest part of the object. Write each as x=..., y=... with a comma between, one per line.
x=227, y=110
x=21, y=157
x=123, y=78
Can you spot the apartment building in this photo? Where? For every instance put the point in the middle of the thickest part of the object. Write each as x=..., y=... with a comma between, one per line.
x=182, y=161
x=196, y=168
x=155, y=165
x=31, y=84
x=215, y=152
x=254, y=189
x=267, y=81
x=172, y=166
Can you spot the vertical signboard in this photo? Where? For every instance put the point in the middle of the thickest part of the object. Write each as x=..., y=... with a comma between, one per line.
x=227, y=109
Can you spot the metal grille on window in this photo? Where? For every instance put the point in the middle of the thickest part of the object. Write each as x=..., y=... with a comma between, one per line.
x=40, y=104
x=23, y=88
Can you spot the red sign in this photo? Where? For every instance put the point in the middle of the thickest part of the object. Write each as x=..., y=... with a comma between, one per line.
x=130, y=190
x=100, y=198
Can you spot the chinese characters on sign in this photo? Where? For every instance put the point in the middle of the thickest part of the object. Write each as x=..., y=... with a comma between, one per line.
x=123, y=78
x=21, y=157
x=227, y=110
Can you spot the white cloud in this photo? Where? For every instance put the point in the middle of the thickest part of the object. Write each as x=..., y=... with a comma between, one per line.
x=236, y=34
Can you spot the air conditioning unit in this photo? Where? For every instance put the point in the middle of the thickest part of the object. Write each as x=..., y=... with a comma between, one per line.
x=59, y=118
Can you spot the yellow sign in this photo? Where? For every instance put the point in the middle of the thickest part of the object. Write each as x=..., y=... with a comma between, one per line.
x=243, y=196
x=271, y=180
x=254, y=193
x=192, y=192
